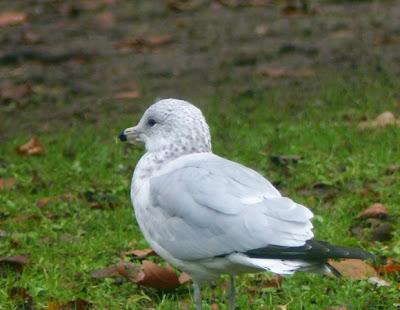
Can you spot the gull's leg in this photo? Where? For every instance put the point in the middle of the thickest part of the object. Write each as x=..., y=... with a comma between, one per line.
x=232, y=293
x=197, y=295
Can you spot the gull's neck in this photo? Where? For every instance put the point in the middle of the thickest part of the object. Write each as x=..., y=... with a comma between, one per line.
x=152, y=162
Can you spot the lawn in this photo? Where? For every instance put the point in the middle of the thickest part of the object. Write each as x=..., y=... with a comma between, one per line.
x=67, y=239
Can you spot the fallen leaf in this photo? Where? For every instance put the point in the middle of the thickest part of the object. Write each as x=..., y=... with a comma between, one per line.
x=112, y=271
x=15, y=92
x=7, y=183
x=157, y=277
x=11, y=18
x=184, y=5
x=21, y=295
x=377, y=210
x=279, y=72
x=15, y=262
x=184, y=278
x=77, y=304
x=392, y=169
x=3, y=233
x=390, y=267
x=140, y=254
x=43, y=202
x=386, y=39
x=337, y=308
x=245, y=3
x=354, y=269
x=275, y=281
x=105, y=20
x=128, y=95
x=383, y=120
x=31, y=37
x=214, y=306
x=32, y=147
x=142, y=44
x=262, y=30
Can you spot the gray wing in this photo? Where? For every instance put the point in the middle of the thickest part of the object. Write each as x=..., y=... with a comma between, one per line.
x=215, y=207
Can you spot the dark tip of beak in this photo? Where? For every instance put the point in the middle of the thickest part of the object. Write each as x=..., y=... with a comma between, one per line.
x=122, y=137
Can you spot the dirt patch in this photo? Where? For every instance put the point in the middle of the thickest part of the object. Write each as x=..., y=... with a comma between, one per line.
x=76, y=59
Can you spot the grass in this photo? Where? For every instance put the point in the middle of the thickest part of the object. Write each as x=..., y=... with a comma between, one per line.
x=320, y=126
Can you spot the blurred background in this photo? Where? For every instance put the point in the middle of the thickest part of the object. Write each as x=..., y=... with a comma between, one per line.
x=66, y=63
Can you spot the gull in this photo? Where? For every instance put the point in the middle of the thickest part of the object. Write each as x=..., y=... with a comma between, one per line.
x=210, y=216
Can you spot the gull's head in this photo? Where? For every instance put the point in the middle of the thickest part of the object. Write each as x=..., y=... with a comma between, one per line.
x=171, y=125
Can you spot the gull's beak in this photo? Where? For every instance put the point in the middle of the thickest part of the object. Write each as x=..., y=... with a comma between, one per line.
x=129, y=135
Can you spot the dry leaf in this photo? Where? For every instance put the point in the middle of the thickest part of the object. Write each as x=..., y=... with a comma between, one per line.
x=32, y=147
x=112, y=271
x=31, y=37
x=15, y=262
x=12, y=18
x=354, y=269
x=142, y=44
x=278, y=72
x=152, y=275
x=128, y=95
x=184, y=5
x=21, y=294
x=46, y=200
x=337, y=308
x=245, y=3
x=184, y=278
x=383, y=120
x=214, y=306
x=377, y=210
x=392, y=169
x=262, y=30
x=77, y=304
x=139, y=254
x=105, y=20
x=7, y=183
x=275, y=281
x=390, y=267
x=15, y=92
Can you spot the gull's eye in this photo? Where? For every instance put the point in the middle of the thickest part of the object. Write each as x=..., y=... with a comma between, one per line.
x=151, y=122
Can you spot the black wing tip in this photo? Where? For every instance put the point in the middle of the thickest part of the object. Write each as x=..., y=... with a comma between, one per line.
x=313, y=250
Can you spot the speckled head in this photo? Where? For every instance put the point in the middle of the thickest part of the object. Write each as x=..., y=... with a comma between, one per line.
x=172, y=126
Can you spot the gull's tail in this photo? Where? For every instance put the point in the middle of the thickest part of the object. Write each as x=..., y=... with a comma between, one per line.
x=312, y=256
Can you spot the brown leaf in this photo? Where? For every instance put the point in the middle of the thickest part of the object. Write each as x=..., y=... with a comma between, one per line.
x=337, y=308
x=214, y=306
x=391, y=266
x=7, y=183
x=12, y=18
x=15, y=92
x=31, y=37
x=140, y=254
x=77, y=304
x=105, y=20
x=184, y=5
x=383, y=120
x=184, y=278
x=20, y=294
x=245, y=3
x=377, y=210
x=275, y=281
x=354, y=269
x=112, y=271
x=128, y=95
x=152, y=275
x=141, y=44
x=46, y=200
x=279, y=72
x=386, y=39
x=392, y=169
x=32, y=147
x=15, y=262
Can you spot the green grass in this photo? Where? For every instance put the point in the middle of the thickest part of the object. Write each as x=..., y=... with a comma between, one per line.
x=320, y=126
